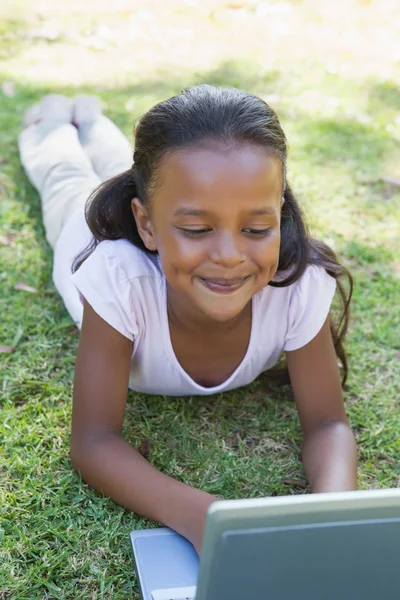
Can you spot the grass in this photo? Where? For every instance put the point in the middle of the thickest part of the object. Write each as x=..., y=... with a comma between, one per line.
x=339, y=108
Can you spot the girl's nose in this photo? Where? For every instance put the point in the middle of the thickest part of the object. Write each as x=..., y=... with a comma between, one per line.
x=227, y=251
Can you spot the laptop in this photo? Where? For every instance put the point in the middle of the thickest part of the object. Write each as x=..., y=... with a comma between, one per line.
x=338, y=546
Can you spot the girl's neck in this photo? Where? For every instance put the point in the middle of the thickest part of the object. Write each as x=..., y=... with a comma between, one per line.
x=187, y=318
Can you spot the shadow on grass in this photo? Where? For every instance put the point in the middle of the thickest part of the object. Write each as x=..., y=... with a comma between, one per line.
x=208, y=434
x=340, y=141
x=376, y=293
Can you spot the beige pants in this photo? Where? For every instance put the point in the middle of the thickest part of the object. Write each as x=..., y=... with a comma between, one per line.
x=65, y=166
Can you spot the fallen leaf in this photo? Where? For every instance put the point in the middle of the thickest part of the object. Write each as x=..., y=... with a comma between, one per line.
x=8, y=240
x=295, y=482
x=144, y=448
x=5, y=349
x=20, y=285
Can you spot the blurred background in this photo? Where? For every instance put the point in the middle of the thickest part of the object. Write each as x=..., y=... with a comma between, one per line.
x=331, y=69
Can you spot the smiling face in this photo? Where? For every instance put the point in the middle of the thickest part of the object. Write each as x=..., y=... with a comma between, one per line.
x=214, y=219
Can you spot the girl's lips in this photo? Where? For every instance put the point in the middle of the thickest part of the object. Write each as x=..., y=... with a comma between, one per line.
x=224, y=286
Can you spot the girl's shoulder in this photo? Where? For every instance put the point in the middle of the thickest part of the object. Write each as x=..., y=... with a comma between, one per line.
x=314, y=277
x=297, y=311
x=121, y=283
x=123, y=255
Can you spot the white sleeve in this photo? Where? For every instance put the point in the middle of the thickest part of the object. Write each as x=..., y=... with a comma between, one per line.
x=101, y=280
x=309, y=306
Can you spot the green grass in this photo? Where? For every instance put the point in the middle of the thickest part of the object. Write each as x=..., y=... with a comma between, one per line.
x=59, y=539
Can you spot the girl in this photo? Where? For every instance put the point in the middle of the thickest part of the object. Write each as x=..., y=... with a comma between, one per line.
x=192, y=272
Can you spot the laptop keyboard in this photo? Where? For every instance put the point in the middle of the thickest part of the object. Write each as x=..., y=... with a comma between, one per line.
x=183, y=593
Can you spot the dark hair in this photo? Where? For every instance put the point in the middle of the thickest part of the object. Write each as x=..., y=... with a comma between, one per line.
x=204, y=114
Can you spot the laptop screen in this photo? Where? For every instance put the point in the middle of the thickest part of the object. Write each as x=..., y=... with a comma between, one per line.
x=349, y=560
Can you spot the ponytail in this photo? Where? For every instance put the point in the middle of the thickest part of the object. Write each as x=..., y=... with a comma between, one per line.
x=325, y=257
x=294, y=250
x=109, y=214
x=297, y=251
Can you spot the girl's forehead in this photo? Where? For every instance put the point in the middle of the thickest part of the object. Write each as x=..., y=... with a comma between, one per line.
x=208, y=171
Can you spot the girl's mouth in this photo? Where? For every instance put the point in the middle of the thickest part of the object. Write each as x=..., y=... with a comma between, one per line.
x=224, y=286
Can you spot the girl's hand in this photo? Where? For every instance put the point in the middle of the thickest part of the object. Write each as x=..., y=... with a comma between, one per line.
x=329, y=450
x=197, y=535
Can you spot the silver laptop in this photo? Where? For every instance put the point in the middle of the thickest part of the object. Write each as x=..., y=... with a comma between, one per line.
x=341, y=546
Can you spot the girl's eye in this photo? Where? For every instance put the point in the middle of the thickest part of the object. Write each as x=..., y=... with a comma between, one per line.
x=194, y=232
x=204, y=231
x=258, y=232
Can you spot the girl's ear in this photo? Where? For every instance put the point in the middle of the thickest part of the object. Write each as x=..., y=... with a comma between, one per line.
x=143, y=224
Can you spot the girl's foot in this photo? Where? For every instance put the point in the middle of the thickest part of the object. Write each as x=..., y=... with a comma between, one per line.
x=104, y=144
x=53, y=107
x=86, y=110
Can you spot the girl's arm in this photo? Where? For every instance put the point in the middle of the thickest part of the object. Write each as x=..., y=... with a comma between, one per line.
x=99, y=452
x=329, y=449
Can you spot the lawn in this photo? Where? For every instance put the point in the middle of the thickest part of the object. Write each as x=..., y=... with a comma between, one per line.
x=332, y=71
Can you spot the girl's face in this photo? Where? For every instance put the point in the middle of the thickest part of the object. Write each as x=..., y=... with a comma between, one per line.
x=215, y=221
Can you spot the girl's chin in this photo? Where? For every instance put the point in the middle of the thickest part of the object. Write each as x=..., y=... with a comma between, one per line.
x=222, y=314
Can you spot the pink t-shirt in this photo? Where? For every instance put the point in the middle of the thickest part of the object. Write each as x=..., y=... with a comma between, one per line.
x=127, y=288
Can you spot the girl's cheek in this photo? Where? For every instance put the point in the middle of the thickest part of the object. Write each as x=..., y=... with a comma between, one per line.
x=272, y=247
x=186, y=250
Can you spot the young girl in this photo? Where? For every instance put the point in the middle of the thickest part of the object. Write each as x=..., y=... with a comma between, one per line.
x=192, y=272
